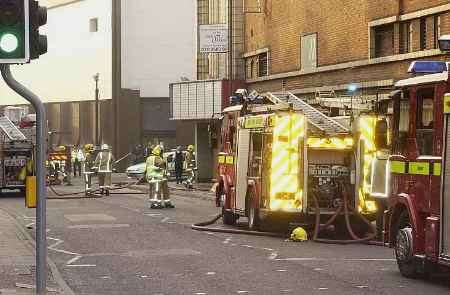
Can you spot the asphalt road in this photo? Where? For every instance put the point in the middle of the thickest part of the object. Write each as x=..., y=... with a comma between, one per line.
x=115, y=245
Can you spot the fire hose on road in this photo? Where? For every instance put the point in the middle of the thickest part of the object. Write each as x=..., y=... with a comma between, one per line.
x=346, y=208
x=203, y=226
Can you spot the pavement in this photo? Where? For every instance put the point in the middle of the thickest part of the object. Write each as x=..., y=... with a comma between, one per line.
x=115, y=246
x=17, y=260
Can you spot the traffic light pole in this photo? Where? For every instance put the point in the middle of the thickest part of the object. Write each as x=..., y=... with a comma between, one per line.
x=41, y=239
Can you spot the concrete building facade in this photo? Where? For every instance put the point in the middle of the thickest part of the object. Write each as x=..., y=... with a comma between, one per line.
x=308, y=46
x=136, y=52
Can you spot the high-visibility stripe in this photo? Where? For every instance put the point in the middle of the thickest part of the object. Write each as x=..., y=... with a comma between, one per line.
x=221, y=159
x=254, y=122
x=416, y=168
x=229, y=160
x=398, y=167
x=447, y=103
x=437, y=169
x=419, y=168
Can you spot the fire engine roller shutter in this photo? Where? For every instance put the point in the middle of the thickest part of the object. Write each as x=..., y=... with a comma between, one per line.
x=445, y=214
x=242, y=167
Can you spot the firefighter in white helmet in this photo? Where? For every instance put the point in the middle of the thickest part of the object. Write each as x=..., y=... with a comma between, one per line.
x=155, y=170
x=103, y=165
x=191, y=168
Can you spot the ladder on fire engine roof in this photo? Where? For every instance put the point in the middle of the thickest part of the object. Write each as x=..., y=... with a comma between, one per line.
x=10, y=129
x=318, y=119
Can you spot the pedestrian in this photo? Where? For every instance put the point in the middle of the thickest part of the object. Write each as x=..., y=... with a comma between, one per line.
x=179, y=159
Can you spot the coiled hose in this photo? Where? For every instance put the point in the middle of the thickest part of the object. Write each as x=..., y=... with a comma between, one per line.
x=343, y=207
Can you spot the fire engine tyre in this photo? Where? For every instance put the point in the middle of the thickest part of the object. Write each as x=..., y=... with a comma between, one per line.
x=228, y=218
x=404, y=247
x=252, y=215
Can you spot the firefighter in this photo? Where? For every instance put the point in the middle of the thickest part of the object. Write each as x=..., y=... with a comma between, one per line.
x=89, y=158
x=155, y=170
x=103, y=165
x=190, y=166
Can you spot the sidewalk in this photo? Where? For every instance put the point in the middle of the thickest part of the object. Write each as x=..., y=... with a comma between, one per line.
x=17, y=261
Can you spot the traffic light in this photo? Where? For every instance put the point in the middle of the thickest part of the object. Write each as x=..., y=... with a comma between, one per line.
x=14, y=35
x=38, y=18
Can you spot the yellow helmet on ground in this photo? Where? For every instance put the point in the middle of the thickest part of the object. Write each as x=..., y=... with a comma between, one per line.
x=157, y=150
x=190, y=148
x=299, y=235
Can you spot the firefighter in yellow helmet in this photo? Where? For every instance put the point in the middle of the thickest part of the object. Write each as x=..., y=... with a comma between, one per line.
x=190, y=165
x=155, y=171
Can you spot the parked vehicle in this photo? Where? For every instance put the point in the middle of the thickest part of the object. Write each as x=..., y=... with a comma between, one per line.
x=137, y=171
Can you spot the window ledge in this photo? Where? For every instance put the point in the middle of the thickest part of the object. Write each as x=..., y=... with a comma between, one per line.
x=353, y=64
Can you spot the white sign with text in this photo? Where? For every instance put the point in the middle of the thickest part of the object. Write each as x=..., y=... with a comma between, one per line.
x=213, y=38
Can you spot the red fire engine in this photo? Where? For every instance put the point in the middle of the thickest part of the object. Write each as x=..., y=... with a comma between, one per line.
x=418, y=218
x=283, y=160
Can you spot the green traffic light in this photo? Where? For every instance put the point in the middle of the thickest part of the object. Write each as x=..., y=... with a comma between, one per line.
x=9, y=43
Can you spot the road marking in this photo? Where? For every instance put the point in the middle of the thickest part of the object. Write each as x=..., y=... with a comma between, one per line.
x=152, y=214
x=210, y=273
x=97, y=226
x=89, y=217
x=76, y=258
x=248, y=246
x=268, y=249
x=273, y=256
x=81, y=265
x=242, y=292
x=227, y=240
x=362, y=287
x=281, y=270
x=200, y=293
x=318, y=269
x=322, y=289
x=286, y=291
x=165, y=219
x=106, y=277
x=334, y=259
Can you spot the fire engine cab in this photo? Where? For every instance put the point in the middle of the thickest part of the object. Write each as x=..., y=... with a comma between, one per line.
x=282, y=159
x=418, y=218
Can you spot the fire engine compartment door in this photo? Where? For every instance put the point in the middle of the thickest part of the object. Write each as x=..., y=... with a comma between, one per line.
x=445, y=195
x=243, y=151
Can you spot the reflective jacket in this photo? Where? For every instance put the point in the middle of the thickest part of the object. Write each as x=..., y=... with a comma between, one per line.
x=155, y=168
x=104, y=161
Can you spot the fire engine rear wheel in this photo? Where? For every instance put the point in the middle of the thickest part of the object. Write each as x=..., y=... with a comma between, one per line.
x=252, y=213
x=404, y=247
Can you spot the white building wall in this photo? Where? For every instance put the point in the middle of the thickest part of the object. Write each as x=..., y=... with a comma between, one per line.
x=74, y=55
x=157, y=44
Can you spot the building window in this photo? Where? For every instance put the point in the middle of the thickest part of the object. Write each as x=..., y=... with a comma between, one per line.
x=309, y=51
x=423, y=33
x=405, y=37
x=257, y=65
x=93, y=25
x=263, y=64
x=437, y=30
x=383, y=40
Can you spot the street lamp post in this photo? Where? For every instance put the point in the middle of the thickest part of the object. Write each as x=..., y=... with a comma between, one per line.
x=97, y=137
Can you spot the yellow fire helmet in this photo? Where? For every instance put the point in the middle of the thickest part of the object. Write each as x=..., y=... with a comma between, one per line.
x=157, y=150
x=190, y=148
x=299, y=235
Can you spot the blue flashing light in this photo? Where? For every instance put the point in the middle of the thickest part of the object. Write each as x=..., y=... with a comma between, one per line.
x=427, y=67
x=352, y=87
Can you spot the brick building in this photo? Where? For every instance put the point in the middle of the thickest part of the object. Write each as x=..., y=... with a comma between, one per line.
x=307, y=46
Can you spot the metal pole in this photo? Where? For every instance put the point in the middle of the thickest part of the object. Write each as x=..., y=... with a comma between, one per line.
x=230, y=44
x=97, y=137
x=41, y=135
